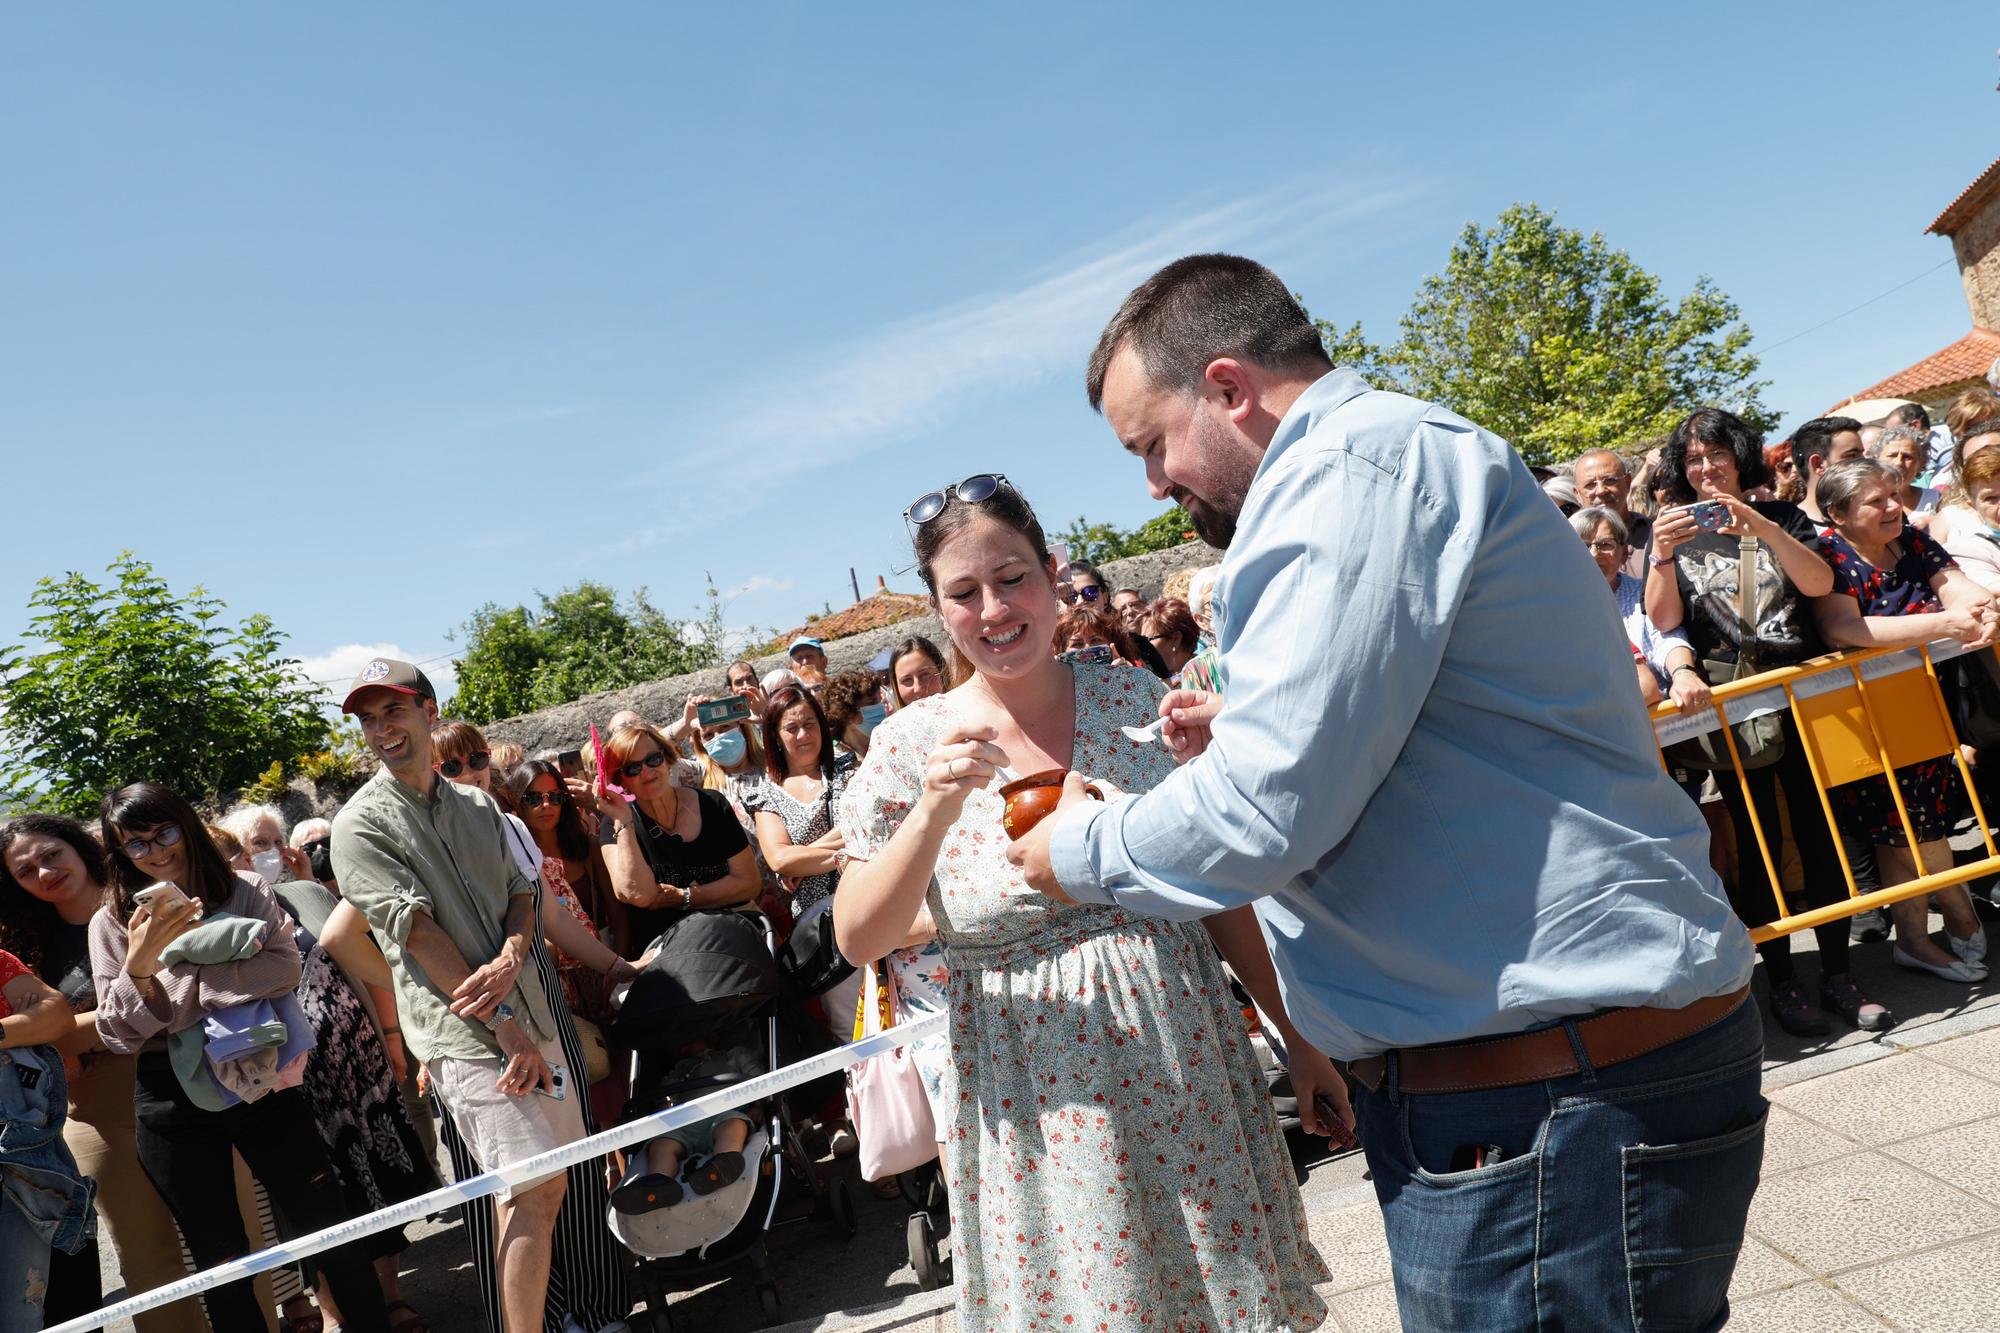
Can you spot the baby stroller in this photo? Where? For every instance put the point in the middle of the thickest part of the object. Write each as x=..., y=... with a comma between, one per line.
x=715, y=977
x=927, y=1233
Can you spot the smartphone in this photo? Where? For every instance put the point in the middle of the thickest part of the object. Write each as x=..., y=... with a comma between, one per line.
x=721, y=712
x=558, y=1084
x=1708, y=515
x=158, y=896
x=1098, y=654
x=571, y=761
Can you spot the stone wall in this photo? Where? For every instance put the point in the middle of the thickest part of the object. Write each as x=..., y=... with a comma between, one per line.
x=1977, y=243
x=568, y=725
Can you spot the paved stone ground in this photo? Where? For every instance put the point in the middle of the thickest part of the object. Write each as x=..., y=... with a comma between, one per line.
x=1879, y=1208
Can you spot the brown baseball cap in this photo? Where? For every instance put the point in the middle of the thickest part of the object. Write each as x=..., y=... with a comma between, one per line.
x=389, y=674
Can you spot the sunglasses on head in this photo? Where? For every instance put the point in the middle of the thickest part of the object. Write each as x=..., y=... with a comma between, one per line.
x=978, y=487
x=653, y=760
x=137, y=848
x=476, y=761
x=532, y=799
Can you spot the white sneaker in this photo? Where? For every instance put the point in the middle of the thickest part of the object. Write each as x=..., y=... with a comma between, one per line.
x=1972, y=948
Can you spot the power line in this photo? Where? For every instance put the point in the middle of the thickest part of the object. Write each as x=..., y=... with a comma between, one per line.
x=1766, y=351
x=341, y=680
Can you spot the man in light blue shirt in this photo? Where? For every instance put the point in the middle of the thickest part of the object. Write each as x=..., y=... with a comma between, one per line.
x=1436, y=785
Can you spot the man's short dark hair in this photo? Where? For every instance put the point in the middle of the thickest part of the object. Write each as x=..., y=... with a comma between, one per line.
x=1908, y=414
x=1815, y=440
x=1202, y=307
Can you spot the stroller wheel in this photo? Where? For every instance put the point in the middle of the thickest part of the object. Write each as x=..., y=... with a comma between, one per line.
x=931, y=1274
x=769, y=1301
x=840, y=1200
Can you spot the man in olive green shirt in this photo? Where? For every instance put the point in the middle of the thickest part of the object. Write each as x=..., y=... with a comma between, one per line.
x=426, y=862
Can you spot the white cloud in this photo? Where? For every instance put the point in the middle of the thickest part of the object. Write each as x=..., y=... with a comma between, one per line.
x=918, y=374
x=758, y=583
x=336, y=668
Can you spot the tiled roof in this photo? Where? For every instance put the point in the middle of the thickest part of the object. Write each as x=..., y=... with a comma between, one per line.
x=884, y=608
x=1954, y=212
x=1966, y=359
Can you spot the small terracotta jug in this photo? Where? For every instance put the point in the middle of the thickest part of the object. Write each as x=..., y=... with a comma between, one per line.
x=1030, y=799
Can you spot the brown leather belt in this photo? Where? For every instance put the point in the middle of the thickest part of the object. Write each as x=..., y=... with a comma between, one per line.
x=1534, y=1057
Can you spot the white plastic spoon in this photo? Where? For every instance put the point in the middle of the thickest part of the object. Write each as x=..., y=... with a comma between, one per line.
x=1147, y=734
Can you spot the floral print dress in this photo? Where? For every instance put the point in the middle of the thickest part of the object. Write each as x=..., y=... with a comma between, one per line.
x=1114, y=1160
x=1932, y=791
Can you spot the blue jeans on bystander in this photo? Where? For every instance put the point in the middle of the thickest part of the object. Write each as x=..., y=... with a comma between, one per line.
x=1610, y=1199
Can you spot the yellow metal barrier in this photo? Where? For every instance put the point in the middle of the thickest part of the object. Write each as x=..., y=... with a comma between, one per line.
x=1858, y=715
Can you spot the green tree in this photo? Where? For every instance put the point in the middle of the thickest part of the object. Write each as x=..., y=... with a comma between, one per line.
x=580, y=641
x=134, y=681
x=1099, y=542
x=1558, y=342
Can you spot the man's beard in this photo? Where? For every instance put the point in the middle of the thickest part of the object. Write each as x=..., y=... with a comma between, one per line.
x=1232, y=472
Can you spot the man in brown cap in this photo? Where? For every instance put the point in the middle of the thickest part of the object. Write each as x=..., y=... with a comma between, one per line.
x=426, y=861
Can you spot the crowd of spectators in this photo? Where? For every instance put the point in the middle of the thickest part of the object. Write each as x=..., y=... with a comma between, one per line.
x=132, y=948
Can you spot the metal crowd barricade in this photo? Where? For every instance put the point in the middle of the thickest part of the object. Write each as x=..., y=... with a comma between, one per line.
x=1858, y=715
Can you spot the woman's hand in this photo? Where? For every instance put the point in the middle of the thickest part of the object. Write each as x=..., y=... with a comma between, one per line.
x=599, y=799
x=688, y=716
x=150, y=932
x=1743, y=519
x=964, y=761
x=1672, y=529
x=1689, y=691
x=1967, y=624
x=298, y=865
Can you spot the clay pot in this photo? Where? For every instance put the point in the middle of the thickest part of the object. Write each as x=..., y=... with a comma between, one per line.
x=1030, y=799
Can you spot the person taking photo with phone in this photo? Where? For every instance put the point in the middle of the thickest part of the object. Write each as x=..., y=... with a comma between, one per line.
x=427, y=861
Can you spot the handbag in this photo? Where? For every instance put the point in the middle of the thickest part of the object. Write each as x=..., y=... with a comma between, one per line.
x=1760, y=742
x=1971, y=688
x=811, y=959
x=886, y=1101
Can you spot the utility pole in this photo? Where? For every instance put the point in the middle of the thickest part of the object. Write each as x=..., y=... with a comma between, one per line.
x=854, y=579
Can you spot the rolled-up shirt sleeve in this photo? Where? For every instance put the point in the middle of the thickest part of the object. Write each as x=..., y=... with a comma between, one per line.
x=1340, y=596
x=382, y=887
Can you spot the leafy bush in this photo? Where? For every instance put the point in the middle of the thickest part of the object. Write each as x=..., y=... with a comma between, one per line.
x=1099, y=542
x=136, y=682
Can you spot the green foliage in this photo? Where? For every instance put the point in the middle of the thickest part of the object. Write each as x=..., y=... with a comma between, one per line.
x=341, y=763
x=1559, y=343
x=268, y=789
x=579, y=642
x=136, y=682
x=1099, y=542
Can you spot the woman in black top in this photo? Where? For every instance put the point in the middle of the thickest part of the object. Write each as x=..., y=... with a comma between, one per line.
x=668, y=847
x=1693, y=585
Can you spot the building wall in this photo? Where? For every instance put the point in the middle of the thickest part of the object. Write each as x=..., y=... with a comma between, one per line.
x=1977, y=243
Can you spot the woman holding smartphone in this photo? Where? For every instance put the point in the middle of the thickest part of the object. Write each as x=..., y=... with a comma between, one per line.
x=166, y=876
x=1694, y=584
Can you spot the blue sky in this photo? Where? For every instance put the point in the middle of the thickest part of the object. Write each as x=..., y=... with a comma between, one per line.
x=365, y=315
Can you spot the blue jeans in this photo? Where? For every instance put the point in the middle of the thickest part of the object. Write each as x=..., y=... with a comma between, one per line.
x=24, y=1271
x=1617, y=1198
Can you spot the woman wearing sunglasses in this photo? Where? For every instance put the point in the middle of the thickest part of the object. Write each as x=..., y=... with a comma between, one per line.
x=669, y=847
x=1113, y=1150
x=155, y=838
x=462, y=755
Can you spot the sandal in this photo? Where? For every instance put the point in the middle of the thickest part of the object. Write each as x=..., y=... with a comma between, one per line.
x=416, y=1323
x=309, y=1322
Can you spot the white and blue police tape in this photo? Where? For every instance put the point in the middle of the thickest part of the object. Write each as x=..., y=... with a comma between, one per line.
x=475, y=1187
x=1771, y=699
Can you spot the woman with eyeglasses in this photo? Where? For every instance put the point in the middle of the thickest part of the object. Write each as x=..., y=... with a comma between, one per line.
x=462, y=755
x=573, y=870
x=1665, y=657
x=51, y=885
x=158, y=846
x=670, y=848
x=1114, y=1154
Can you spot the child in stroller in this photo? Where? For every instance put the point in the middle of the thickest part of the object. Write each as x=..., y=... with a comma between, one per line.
x=700, y=1158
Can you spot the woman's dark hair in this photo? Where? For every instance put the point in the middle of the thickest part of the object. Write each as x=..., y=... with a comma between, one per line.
x=1100, y=622
x=1088, y=570
x=916, y=643
x=775, y=761
x=575, y=843
x=148, y=805
x=1006, y=507
x=27, y=924
x=1718, y=429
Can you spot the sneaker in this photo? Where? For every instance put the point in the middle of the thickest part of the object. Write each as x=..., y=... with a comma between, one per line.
x=844, y=1143
x=1971, y=949
x=1839, y=994
x=1796, y=1013
x=1868, y=927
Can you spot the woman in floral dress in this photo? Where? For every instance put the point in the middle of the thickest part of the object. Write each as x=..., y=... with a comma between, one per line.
x=1113, y=1156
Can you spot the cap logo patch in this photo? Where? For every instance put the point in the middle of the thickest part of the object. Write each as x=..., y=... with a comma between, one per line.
x=375, y=670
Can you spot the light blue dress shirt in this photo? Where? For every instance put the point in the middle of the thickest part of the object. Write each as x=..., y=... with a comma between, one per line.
x=1433, y=777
